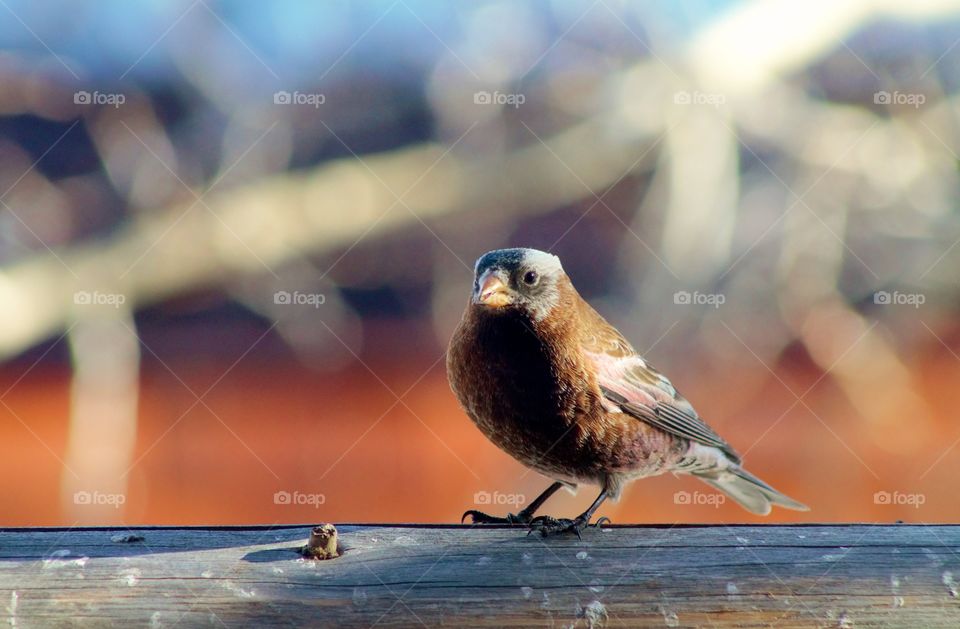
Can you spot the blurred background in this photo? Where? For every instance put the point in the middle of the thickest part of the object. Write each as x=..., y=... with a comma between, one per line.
x=235, y=239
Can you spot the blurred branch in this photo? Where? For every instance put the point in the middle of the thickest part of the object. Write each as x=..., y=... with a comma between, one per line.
x=103, y=412
x=756, y=42
x=252, y=228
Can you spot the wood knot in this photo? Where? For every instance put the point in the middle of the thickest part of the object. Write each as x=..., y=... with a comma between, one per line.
x=323, y=543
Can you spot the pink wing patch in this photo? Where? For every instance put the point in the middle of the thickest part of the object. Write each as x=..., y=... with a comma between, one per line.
x=631, y=378
x=635, y=388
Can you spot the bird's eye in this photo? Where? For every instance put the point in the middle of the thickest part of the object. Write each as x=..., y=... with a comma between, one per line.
x=530, y=278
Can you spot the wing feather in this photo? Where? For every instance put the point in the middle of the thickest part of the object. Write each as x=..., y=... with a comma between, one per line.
x=638, y=389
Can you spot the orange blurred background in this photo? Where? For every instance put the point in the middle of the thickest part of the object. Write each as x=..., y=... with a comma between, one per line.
x=235, y=239
x=345, y=437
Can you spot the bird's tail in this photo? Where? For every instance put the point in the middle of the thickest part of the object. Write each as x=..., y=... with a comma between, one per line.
x=750, y=492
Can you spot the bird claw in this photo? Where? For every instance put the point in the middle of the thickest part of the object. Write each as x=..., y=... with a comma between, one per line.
x=479, y=517
x=548, y=525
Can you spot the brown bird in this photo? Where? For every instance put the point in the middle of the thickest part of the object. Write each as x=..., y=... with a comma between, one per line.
x=554, y=385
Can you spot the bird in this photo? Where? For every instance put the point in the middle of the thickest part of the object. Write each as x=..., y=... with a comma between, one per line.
x=549, y=381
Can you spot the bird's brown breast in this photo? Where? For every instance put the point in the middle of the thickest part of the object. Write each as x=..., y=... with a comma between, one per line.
x=527, y=397
x=529, y=389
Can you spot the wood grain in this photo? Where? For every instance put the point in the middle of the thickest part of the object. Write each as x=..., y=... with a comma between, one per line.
x=398, y=575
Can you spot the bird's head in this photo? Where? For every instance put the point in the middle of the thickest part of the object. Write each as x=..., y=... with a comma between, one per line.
x=518, y=279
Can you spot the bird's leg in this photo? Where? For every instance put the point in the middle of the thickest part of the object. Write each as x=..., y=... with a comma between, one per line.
x=550, y=526
x=524, y=517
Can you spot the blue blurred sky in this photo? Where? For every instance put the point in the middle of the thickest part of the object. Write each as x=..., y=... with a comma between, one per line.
x=296, y=40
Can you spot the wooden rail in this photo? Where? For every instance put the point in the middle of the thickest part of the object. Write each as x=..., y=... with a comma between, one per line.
x=412, y=575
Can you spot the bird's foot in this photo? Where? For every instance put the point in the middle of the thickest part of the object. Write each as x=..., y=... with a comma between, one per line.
x=479, y=517
x=547, y=525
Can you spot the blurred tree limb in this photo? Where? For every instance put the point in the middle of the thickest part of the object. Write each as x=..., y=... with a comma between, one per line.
x=252, y=228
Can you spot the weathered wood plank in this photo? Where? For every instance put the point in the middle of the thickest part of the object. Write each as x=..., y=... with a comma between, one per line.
x=723, y=576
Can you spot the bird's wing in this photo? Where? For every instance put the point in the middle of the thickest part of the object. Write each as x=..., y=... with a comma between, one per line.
x=638, y=389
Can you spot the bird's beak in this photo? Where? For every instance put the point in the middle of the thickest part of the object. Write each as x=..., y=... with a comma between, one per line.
x=493, y=292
